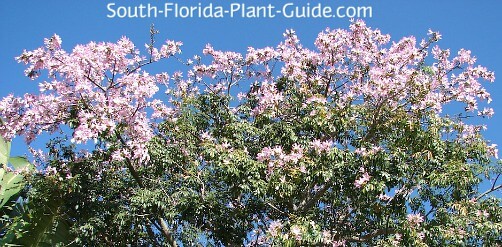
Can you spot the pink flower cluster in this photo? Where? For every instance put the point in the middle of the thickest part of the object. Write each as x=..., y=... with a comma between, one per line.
x=266, y=57
x=321, y=146
x=227, y=68
x=482, y=213
x=365, y=178
x=362, y=151
x=170, y=48
x=493, y=150
x=361, y=66
x=98, y=89
x=268, y=98
x=275, y=227
x=316, y=99
x=355, y=66
x=415, y=219
x=101, y=92
x=277, y=158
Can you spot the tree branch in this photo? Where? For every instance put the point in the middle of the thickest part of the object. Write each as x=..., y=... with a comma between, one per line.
x=164, y=228
x=166, y=232
x=372, y=235
x=492, y=189
x=278, y=210
x=308, y=203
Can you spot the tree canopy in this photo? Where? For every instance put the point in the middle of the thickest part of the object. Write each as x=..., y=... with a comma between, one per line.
x=357, y=141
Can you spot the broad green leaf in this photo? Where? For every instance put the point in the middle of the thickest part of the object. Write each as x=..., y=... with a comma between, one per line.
x=20, y=163
x=11, y=185
x=4, y=151
x=46, y=228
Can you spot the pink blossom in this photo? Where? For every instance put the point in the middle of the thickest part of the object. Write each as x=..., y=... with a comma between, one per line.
x=303, y=169
x=295, y=155
x=50, y=171
x=398, y=236
x=276, y=157
x=39, y=155
x=415, y=219
x=205, y=136
x=316, y=99
x=171, y=48
x=297, y=232
x=326, y=237
x=493, y=150
x=362, y=180
x=321, y=146
x=268, y=98
x=361, y=151
x=102, y=90
x=83, y=87
x=53, y=43
x=162, y=77
x=265, y=154
x=435, y=35
x=339, y=243
x=487, y=112
x=482, y=213
x=274, y=229
x=241, y=95
x=226, y=145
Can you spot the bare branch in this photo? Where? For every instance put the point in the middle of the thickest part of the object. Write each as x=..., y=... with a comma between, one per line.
x=492, y=189
x=372, y=235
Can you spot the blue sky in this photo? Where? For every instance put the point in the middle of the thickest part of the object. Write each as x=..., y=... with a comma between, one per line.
x=473, y=25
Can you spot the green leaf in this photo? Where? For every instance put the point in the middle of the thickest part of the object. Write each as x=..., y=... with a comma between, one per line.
x=20, y=163
x=11, y=185
x=4, y=151
x=45, y=227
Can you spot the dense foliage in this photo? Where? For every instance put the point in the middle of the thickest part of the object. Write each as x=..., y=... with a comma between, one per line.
x=359, y=141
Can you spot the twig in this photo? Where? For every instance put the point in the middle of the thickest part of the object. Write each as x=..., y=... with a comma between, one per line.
x=492, y=189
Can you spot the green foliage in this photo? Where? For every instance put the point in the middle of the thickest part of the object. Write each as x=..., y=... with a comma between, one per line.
x=310, y=169
x=213, y=191
x=26, y=222
x=11, y=179
x=4, y=151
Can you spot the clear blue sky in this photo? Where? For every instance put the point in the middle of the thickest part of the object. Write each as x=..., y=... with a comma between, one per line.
x=473, y=25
